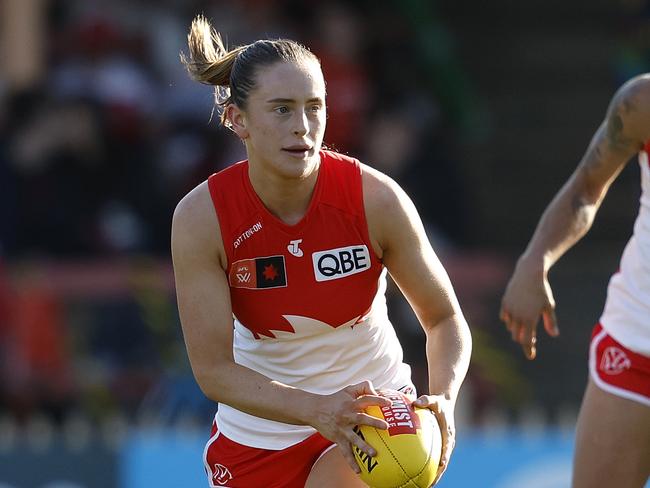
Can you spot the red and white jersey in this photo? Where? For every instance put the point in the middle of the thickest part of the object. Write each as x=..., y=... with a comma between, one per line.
x=307, y=299
x=627, y=311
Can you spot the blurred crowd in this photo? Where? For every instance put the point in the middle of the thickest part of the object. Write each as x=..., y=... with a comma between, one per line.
x=97, y=149
x=97, y=152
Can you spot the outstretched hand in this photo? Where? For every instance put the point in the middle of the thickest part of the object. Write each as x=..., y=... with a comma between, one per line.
x=527, y=297
x=340, y=412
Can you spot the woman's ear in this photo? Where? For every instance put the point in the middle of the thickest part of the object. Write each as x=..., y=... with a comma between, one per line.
x=236, y=120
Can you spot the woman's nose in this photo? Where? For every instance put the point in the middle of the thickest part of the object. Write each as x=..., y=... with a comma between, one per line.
x=301, y=124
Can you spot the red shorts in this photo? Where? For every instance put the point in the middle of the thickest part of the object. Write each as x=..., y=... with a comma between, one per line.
x=617, y=370
x=228, y=463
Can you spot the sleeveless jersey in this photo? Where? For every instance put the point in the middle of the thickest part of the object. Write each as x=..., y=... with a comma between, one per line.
x=627, y=310
x=307, y=299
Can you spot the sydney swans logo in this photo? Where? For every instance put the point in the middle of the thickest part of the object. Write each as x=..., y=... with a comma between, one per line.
x=221, y=474
x=614, y=361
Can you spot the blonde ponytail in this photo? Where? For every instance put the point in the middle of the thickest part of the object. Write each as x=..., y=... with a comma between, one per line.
x=234, y=73
x=209, y=61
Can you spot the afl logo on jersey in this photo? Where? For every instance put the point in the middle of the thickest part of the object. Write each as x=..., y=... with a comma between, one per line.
x=341, y=262
x=258, y=273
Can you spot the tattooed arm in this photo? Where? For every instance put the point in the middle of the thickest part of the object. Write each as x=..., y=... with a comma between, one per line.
x=570, y=214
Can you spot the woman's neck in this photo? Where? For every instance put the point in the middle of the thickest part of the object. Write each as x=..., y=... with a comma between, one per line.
x=286, y=198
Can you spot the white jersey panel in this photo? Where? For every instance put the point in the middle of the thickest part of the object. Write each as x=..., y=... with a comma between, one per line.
x=317, y=358
x=627, y=311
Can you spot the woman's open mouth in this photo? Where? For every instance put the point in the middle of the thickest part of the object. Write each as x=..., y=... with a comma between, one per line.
x=300, y=151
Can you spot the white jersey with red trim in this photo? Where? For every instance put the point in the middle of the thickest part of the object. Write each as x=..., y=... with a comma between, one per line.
x=627, y=311
x=308, y=299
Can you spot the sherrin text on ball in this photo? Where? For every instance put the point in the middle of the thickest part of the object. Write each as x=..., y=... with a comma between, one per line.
x=408, y=452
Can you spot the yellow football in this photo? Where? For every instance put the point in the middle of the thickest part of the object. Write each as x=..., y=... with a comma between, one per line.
x=408, y=452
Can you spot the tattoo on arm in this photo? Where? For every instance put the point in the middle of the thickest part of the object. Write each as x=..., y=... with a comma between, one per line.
x=576, y=202
x=615, y=136
x=619, y=137
x=598, y=153
x=628, y=106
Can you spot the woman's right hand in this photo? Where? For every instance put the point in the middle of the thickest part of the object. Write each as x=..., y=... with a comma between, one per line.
x=528, y=297
x=338, y=414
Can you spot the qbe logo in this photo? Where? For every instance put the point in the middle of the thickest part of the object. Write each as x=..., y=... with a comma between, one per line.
x=339, y=263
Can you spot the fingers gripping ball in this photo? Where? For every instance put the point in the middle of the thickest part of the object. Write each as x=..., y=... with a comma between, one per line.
x=408, y=452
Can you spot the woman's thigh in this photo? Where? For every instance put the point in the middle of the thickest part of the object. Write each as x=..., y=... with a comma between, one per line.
x=332, y=471
x=612, y=441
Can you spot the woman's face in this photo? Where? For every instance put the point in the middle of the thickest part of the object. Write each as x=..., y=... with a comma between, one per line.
x=284, y=120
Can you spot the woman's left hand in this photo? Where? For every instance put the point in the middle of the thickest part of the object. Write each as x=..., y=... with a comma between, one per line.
x=443, y=409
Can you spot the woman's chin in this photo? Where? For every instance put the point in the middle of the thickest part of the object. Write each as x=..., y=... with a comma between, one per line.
x=294, y=167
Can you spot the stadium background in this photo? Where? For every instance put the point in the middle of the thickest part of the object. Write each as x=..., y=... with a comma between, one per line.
x=479, y=109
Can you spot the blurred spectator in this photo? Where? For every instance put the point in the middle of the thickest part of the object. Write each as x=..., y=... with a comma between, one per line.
x=56, y=151
x=395, y=145
x=348, y=89
x=5, y=299
x=7, y=182
x=35, y=362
